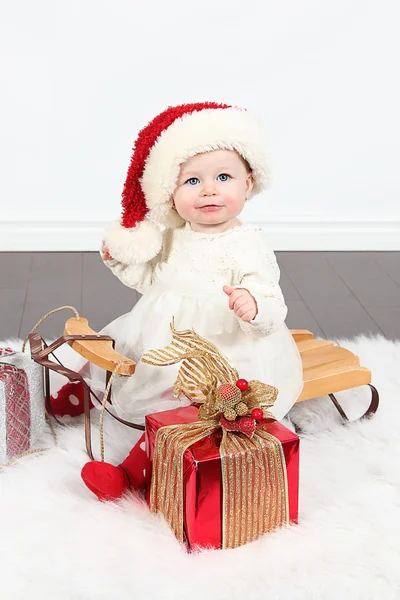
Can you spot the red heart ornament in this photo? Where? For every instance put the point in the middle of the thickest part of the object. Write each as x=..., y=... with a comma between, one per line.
x=246, y=425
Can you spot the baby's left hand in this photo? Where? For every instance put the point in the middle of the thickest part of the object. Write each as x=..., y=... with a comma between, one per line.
x=105, y=253
x=241, y=302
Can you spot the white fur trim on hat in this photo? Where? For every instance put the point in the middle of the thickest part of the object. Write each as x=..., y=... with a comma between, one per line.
x=166, y=214
x=135, y=245
x=196, y=133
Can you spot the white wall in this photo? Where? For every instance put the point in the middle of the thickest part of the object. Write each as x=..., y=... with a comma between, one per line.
x=81, y=77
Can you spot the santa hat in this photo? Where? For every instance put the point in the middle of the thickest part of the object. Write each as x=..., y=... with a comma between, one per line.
x=169, y=140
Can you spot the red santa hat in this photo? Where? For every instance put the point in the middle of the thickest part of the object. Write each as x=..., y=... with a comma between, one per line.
x=168, y=141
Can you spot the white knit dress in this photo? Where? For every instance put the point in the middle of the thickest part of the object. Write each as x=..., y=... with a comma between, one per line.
x=185, y=282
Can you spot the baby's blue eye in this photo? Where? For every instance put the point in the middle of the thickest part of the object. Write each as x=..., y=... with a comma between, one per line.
x=194, y=180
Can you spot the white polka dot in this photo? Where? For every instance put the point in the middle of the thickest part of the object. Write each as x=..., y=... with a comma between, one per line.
x=144, y=472
x=74, y=400
x=143, y=446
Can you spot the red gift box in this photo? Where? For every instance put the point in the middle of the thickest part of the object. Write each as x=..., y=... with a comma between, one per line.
x=203, y=485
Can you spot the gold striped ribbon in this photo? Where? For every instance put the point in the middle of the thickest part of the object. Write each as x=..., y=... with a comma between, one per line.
x=254, y=481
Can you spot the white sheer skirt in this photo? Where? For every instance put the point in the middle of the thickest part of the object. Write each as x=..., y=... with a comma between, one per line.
x=273, y=359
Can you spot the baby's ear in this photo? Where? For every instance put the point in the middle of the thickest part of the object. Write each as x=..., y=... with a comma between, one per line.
x=250, y=185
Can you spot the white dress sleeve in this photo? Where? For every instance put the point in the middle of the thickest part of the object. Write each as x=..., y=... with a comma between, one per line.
x=136, y=276
x=258, y=272
x=140, y=276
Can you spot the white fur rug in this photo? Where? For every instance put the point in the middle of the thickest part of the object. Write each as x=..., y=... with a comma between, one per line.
x=58, y=542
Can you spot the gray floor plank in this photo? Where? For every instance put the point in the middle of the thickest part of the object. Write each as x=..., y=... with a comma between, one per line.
x=332, y=304
x=390, y=262
x=345, y=318
x=366, y=278
x=14, y=270
x=104, y=297
x=388, y=320
x=299, y=317
x=56, y=280
x=288, y=289
x=51, y=269
x=11, y=310
x=313, y=277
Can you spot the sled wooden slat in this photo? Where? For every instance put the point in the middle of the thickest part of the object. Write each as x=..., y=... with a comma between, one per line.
x=328, y=369
x=329, y=379
x=328, y=355
x=306, y=345
x=299, y=335
x=101, y=352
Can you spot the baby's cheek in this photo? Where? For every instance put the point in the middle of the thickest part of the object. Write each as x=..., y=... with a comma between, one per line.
x=184, y=204
x=234, y=201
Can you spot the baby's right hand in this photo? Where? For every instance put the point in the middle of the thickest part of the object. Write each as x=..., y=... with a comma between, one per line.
x=105, y=254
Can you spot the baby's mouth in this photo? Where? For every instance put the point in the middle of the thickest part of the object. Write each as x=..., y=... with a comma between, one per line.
x=210, y=207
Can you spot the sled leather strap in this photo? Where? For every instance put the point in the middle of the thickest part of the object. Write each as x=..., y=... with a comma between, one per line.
x=40, y=352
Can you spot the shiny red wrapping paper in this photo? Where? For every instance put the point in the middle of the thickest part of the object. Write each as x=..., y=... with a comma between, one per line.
x=203, y=480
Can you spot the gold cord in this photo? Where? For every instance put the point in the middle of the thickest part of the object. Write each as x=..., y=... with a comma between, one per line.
x=45, y=317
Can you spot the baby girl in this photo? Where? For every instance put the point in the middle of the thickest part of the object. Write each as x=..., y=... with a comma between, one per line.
x=193, y=169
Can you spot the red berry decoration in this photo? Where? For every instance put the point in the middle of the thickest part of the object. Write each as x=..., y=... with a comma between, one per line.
x=227, y=396
x=257, y=414
x=227, y=391
x=242, y=384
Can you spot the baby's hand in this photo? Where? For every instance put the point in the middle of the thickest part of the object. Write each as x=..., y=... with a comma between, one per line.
x=105, y=254
x=241, y=302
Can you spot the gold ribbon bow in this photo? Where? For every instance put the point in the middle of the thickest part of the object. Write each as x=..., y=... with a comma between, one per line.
x=203, y=371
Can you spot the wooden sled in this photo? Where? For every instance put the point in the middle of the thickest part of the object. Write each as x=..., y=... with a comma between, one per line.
x=327, y=368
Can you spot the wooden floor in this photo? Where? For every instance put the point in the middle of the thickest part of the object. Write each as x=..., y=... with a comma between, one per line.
x=334, y=294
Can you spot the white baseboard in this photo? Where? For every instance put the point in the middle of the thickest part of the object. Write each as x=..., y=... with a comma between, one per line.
x=280, y=235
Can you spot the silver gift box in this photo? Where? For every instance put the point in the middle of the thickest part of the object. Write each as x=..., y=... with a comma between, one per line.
x=22, y=409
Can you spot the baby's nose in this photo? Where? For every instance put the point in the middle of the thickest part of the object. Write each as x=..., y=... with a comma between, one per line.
x=208, y=190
